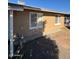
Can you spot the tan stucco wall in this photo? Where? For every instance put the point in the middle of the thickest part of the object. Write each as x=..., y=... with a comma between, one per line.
x=21, y=23
x=49, y=20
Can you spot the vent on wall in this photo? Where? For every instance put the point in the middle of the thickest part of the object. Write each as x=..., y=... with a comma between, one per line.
x=21, y=2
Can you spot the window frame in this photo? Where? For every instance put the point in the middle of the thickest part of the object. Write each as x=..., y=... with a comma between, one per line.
x=35, y=27
x=58, y=20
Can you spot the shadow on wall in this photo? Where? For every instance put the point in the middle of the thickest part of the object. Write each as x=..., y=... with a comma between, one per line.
x=40, y=48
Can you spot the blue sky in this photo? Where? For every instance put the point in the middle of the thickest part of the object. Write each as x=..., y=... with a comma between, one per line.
x=57, y=5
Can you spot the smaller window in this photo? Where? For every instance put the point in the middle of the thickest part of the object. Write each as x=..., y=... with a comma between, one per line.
x=57, y=20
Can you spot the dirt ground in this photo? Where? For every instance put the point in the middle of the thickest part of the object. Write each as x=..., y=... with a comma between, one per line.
x=62, y=38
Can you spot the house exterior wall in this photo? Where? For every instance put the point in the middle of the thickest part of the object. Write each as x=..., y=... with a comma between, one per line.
x=21, y=24
x=50, y=25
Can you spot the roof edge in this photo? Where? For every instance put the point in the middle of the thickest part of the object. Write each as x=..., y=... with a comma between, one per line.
x=39, y=9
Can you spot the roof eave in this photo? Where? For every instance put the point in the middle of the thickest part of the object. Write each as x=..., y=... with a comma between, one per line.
x=37, y=9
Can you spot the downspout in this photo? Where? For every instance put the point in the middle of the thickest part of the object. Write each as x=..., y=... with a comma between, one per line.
x=11, y=33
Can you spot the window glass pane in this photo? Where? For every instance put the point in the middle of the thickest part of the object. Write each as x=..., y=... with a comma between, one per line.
x=33, y=20
x=57, y=19
x=39, y=21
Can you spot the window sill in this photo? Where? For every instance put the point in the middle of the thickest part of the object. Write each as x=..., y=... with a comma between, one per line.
x=58, y=24
x=31, y=28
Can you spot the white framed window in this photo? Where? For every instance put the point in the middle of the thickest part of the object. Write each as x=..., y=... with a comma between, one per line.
x=57, y=20
x=35, y=20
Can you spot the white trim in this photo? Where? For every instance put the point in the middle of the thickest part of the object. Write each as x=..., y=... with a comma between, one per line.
x=15, y=8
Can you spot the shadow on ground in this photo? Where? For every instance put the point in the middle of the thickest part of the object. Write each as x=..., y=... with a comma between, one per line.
x=40, y=48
